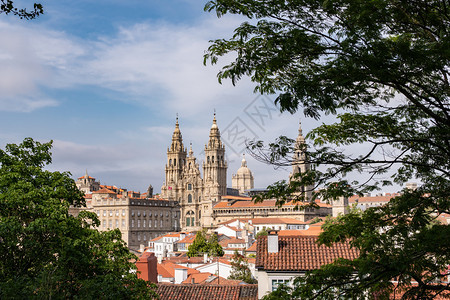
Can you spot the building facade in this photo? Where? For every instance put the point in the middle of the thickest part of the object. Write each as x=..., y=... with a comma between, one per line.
x=183, y=182
x=140, y=217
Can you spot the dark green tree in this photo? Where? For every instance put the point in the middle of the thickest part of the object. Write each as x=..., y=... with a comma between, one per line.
x=7, y=7
x=383, y=67
x=240, y=269
x=44, y=251
x=201, y=245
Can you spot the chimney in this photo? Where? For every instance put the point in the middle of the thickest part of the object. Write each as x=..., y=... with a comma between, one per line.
x=180, y=275
x=141, y=248
x=160, y=259
x=272, y=241
x=205, y=258
x=147, y=268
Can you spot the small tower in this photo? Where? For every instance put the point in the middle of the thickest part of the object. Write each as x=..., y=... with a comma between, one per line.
x=243, y=179
x=299, y=164
x=176, y=159
x=215, y=166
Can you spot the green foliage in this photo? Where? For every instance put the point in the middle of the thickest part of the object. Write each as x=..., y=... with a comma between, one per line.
x=240, y=269
x=262, y=232
x=383, y=68
x=47, y=253
x=7, y=7
x=201, y=245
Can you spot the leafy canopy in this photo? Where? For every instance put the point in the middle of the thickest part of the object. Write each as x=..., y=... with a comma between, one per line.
x=7, y=7
x=383, y=68
x=240, y=269
x=44, y=251
x=201, y=245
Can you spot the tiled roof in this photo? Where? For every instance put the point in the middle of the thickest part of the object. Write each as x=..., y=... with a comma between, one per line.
x=236, y=197
x=225, y=243
x=104, y=191
x=242, y=220
x=257, y=221
x=206, y=292
x=300, y=253
x=85, y=177
x=88, y=196
x=383, y=199
x=265, y=203
x=188, y=239
x=167, y=269
x=252, y=248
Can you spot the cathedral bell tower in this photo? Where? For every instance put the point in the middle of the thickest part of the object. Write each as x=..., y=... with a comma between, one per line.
x=215, y=166
x=299, y=164
x=176, y=159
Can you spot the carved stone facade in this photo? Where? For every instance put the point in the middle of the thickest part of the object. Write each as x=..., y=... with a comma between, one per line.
x=184, y=183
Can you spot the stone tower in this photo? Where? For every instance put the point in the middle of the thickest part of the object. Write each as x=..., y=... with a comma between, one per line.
x=215, y=166
x=192, y=198
x=176, y=158
x=243, y=179
x=299, y=163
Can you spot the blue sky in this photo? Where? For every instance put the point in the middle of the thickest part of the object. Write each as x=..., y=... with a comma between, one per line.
x=105, y=79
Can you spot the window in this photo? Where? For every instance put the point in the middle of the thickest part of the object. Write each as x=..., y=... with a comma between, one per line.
x=139, y=223
x=277, y=282
x=170, y=162
x=117, y=212
x=199, y=198
x=150, y=223
x=123, y=223
x=188, y=221
x=143, y=223
x=156, y=223
x=104, y=213
x=189, y=186
x=132, y=213
x=189, y=198
x=104, y=223
x=132, y=223
x=117, y=224
x=110, y=224
x=139, y=213
x=161, y=223
x=110, y=213
x=123, y=212
x=144, y=213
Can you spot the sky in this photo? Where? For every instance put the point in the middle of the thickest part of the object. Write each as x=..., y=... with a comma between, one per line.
x=105, y=80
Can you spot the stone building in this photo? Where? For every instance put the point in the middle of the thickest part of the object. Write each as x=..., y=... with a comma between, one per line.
x=87, y=184
x=183, y=181
x=140, y=217
x=243, y=179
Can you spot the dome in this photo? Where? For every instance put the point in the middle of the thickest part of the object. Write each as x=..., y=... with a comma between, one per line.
x=243, y=170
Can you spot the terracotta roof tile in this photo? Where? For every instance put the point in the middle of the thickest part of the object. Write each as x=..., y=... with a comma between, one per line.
x=104, y=191
x=265, y=203
x=257, y=221
x=207, y=292
x=300, y=253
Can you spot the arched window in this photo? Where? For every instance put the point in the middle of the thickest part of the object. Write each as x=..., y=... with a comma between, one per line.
x=175, y=162
x=190, y=218
x=189, y=198
x=212, y=159
x=189, y=186
x=208, y=158
x=199, y=198
x=170, y=162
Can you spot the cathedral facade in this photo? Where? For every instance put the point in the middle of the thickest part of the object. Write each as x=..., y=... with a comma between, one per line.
x=184, y=183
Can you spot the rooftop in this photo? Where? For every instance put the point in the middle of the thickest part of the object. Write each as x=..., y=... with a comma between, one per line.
x=203, y=292
x=300, y=253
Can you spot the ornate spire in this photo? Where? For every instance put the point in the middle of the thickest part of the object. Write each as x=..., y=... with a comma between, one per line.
x=86, y=175
x=191, y=153
x=244, y=162
x=177, y=139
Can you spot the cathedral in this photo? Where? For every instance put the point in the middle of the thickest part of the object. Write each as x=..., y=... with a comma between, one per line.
x=201, y=199
x=183, y=182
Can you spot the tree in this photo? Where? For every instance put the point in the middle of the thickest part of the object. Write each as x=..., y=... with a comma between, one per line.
x=7, y=7
x=240, y=269
x=200, y=245
x=44, y=251
x=382, y=67
x=262, y=232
